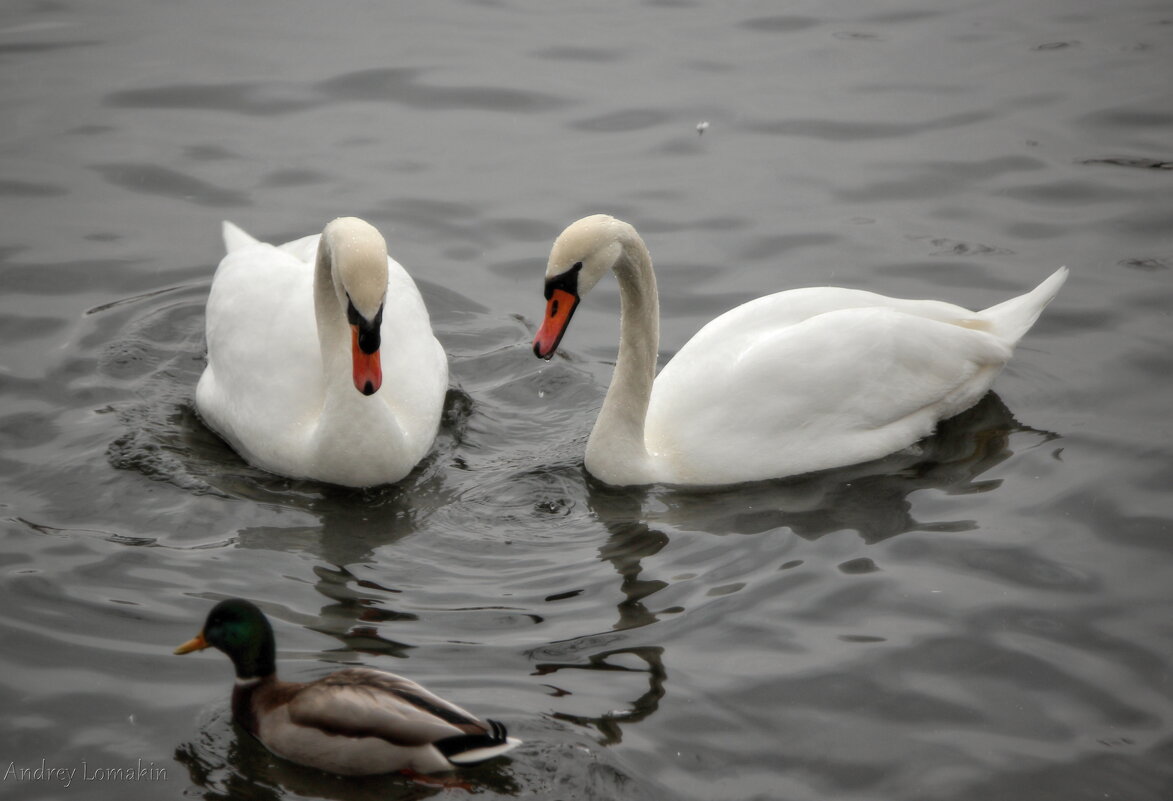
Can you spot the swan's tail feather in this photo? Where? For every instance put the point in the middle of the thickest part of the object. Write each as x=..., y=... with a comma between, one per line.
x=236, y=237
x=1011, y=319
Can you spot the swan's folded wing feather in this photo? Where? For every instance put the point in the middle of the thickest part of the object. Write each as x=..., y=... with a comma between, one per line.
x=771, y=314
x=263, y=354
x=413, y=358
x=304, y=249
x=235, y=237
x=838, y=388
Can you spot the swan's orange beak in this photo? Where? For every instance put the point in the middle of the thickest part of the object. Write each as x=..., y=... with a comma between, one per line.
x=196, y=643
x=368, y=374
x=559, y=309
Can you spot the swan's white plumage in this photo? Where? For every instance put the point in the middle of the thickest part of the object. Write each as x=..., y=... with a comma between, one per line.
x=269, y=392
x=790, y=383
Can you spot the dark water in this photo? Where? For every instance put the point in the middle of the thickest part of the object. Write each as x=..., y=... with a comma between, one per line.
x=986, y=617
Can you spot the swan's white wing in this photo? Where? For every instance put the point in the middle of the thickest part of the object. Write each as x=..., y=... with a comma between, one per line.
x=750, y=399
x=771, y=313
x=415, y=367
x=235, y=237
x=304, y=249
x=264, y=375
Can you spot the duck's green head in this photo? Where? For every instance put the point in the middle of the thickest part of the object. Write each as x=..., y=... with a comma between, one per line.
x=241, y=630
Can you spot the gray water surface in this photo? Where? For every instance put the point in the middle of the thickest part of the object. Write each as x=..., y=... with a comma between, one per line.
x=986, y=616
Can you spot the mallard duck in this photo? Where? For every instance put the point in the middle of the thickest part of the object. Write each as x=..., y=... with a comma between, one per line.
x=321, y=359
x=354, y=722
x=790, y=383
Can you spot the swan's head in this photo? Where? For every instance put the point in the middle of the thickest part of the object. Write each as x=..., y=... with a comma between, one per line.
x=582, y=254
x=358, y=257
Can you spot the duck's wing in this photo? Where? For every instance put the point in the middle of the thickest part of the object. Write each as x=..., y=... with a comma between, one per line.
x=370, y=703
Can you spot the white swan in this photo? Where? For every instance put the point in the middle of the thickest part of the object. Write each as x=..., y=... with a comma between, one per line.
x=321, y=359
x=786, y=384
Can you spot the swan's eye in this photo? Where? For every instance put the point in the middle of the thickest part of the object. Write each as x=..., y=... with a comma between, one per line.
x=567, y=281
x=354, y=318
x=368, y=332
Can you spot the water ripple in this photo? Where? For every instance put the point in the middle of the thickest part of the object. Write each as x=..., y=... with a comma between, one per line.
x=862, y=131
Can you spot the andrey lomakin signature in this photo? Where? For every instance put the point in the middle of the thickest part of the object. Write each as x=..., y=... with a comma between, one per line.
x=44, y=772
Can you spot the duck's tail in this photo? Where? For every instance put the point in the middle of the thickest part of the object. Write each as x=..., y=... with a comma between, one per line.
x=236, y=237
x=1012, y=318
x=469, y=749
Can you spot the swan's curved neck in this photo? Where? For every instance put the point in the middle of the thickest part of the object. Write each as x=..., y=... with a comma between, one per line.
x=344, y=409
x=331, y=319
x=616, y=450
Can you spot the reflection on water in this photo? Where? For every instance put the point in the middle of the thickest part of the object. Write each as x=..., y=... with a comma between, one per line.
x=608, y=724
x=871, y=499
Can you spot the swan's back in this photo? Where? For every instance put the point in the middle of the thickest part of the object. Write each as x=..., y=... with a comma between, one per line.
x=810, y=379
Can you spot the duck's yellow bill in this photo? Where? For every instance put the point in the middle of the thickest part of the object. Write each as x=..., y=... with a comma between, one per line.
x=196, y=643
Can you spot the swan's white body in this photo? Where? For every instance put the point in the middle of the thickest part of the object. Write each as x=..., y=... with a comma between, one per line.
x=278, y=385
x=790, y=383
